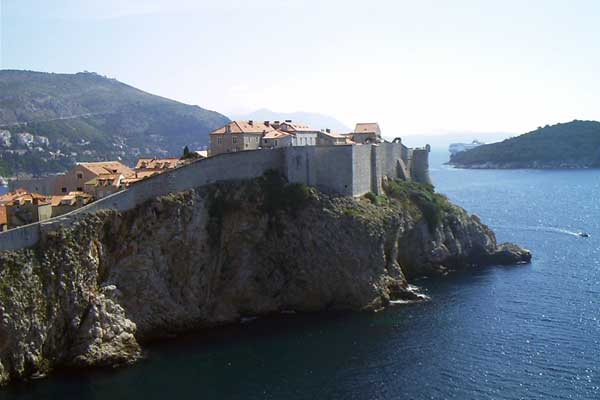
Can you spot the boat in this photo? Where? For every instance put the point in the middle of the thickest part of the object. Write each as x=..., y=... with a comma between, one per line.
x=459, y=147
x=583, y=234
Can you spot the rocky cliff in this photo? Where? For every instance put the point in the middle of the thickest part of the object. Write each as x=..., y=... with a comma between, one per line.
x=92, y=293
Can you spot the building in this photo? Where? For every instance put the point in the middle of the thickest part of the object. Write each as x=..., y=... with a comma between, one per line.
x=3, y=219
x=70, y=202
x=367, y=133
x=275, y=138
x=106, y=184
x=328, y=138
x=157, y=164
x=238, y=136
x=73, y=180
x=23, y=208
x=200, y=154
x=302, y=135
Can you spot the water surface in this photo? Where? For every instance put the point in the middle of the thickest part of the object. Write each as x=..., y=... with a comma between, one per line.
x=528, y=332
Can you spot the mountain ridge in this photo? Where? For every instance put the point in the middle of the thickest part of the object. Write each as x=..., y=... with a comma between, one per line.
x=89, y=117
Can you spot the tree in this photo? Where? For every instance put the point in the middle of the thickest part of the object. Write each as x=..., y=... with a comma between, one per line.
x=186, y=153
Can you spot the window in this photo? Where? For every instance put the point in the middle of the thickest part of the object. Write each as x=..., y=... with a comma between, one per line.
x=234, y=140
x=80, y=175
x=275, y=142
x=219, y=140
x=63, y=190
x=80, y=189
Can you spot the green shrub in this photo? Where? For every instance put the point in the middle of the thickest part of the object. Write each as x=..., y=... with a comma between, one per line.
x=375, y=199
x=432, y=205
x=280, y=195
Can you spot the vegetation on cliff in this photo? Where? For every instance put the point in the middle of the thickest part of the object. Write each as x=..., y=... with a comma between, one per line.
x=90, y=293
x=572, y=144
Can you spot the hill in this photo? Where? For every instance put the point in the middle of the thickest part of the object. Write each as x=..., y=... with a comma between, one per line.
x=316, y=120
x=574, y=144
x=48, y=121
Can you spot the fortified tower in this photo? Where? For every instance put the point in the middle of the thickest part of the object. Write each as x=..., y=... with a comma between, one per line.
x=419, y=164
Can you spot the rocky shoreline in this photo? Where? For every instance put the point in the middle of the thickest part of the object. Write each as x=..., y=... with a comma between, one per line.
x=94, y=293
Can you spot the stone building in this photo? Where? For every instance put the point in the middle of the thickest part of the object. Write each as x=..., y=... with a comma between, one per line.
x=274, y=139
x=328, y=138
x=76, y=178
x=23, y=208
x=70, y=202
x=367, y=132
x=238, y=136
x=302, y=135
x=73, y=180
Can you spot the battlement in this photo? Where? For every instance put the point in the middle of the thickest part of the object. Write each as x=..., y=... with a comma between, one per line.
x=347, y=170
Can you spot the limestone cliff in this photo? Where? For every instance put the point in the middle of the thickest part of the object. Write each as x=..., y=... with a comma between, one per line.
x=91, y=293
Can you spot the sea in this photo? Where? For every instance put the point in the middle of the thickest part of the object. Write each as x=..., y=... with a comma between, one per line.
x=505, y=332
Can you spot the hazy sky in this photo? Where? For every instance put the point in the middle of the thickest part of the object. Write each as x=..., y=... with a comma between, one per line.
x=414, y=66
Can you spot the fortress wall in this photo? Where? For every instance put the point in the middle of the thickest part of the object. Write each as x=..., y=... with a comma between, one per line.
x=345, y=170
x=299, y=165
x=361, y=170
x=22, y=237
x=419, y=166
x=334, y=169
x=223, y=167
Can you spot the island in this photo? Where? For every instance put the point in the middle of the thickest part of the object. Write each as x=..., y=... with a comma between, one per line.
x=574, y=144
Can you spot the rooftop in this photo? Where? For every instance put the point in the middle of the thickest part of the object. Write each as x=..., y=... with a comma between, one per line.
x=275, y=135
x=104, y=167
x=367, y=127
x=157, y=163
x=243, y=127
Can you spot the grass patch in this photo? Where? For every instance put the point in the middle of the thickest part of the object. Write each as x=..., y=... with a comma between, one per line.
x=432, y=205
x=376, y=199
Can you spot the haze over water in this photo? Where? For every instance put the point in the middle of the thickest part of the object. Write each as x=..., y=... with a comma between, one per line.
x=494, y=333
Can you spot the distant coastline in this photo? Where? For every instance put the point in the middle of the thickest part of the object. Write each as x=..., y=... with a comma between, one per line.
x=526, y=165
x=572, y=145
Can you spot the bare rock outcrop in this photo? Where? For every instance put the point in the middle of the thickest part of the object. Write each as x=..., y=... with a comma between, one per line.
x=91, y=293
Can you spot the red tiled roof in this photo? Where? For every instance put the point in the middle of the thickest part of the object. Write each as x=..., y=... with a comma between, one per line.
x=367, y=127
x=251, y=127
x=110, y=167
x=275, y=135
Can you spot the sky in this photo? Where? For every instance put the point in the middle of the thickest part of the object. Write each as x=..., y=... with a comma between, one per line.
x=417, y=67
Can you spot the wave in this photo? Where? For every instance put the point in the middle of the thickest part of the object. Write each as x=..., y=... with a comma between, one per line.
x=550, y=229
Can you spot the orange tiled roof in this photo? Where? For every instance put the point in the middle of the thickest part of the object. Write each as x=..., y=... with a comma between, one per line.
x=243, y=127
x=157, y=163
x=20, y=195
x=295, y=127
x=367, y=127
x=110, y=167
x=275, y=135
x=70, y=198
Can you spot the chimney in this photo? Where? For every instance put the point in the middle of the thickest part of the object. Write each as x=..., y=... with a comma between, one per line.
x=267, y=123
x=328, y=130
x=250, y=122
x=288, y=120
x=276, y=122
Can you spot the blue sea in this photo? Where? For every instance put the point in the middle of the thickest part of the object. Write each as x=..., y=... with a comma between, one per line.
x=519, y=332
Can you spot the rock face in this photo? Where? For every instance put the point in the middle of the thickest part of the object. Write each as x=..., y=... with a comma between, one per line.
x=89, y=294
